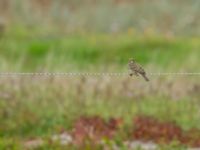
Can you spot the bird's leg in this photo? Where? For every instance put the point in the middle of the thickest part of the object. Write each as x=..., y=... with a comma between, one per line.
x=131, y=74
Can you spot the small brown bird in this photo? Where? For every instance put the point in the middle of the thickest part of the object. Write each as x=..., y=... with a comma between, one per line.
x=136, y=69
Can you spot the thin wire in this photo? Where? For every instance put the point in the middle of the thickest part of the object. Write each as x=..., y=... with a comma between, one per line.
x=3, y=74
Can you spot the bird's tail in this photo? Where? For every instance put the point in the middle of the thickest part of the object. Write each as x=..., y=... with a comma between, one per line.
x=145, y=77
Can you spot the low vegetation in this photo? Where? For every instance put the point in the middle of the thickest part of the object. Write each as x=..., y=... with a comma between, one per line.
x=99, y=111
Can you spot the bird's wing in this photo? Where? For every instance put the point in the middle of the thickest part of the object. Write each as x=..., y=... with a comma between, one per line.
x=141, y=69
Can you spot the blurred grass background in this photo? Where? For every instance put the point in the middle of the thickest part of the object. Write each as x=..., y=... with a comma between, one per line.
x=95, y=36
x=50, y=35
x=168, y=17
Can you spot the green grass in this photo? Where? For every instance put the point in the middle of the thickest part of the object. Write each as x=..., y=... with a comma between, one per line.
x=31, y=108
x=21, y=119
x=72, y=36
x=33, y=118
x=76, y=53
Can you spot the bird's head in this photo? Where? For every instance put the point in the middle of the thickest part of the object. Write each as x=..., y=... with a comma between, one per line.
x=131, y=60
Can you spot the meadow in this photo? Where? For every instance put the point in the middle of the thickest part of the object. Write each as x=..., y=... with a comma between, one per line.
x=100, y=110
x=40, y=106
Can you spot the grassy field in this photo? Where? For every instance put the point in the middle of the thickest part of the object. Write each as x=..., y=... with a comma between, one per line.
x=38, y=107
x=82, y=52
x=99, y=111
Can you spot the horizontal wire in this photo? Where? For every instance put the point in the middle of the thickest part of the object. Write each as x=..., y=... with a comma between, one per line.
x=94, y=74
x=176, y=73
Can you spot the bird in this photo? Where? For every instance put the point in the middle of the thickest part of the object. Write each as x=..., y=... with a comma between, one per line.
x=136, y=69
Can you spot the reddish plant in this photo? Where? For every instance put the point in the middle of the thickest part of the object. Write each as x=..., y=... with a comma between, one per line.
x=94, y=129
x=148, y=128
